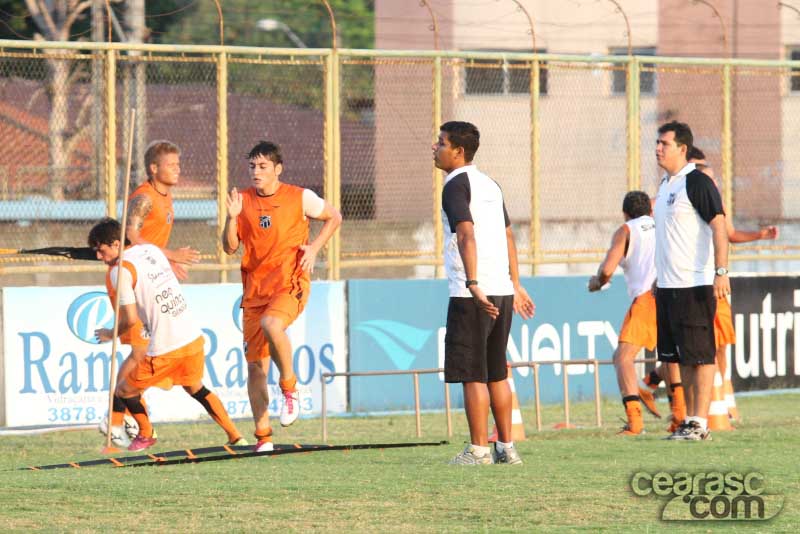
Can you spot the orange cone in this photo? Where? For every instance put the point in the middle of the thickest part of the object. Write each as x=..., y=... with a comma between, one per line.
x=718, y=410
x=517, y=427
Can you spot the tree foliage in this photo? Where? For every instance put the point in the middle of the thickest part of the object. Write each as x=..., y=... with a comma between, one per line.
x=306, y=18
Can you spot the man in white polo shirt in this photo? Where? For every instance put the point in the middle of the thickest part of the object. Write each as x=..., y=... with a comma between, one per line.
x=691, y=264
x=481, y=263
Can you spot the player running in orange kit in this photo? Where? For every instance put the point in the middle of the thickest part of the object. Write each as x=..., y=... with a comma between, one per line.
x=271, y=220
x=150, y=292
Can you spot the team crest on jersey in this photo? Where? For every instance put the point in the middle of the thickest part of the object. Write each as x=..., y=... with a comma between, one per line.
x=671, y=199
x=265, y=221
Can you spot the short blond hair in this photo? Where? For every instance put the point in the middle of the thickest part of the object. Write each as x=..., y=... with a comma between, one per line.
x=155, y=150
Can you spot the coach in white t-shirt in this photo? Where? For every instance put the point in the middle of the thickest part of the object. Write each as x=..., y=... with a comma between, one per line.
x=691, y=265
x=481, y=263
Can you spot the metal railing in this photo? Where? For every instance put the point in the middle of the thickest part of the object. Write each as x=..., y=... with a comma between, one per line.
x=447, y=410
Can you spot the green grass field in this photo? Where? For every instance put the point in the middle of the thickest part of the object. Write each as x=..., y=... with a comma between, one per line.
x=572, y=480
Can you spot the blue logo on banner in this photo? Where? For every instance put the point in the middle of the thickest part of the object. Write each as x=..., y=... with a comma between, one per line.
x=89, y=312
x=401, y=342
x=237, y=313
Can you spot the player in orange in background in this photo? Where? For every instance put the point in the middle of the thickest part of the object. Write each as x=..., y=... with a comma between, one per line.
x=723, y=320
x=633, y=248
x=150, y=211
x=150, y=219
x=271, y=220
x=150, y=293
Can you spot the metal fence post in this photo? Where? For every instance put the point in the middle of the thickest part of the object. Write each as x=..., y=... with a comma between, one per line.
x=222, y=157
x=634, y=118
x=597, y=393
x=416, y=405
x=535, y=237
x=111, y=133
x=324, y=407
x=727, y=138
x=536, y=399
x=566, y=395
x=332, y=164
x=438, y=231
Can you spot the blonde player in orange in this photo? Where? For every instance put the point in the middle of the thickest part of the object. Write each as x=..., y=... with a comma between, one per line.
x=633, y=248
x=723, y=320
x=150, y=219
x=149, y=290
x=150, y=211
x=270, y=219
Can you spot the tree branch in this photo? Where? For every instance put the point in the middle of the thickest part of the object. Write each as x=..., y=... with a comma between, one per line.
x=42, y=18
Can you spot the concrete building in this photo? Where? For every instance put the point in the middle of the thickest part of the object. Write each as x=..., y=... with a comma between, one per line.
x=583, y=106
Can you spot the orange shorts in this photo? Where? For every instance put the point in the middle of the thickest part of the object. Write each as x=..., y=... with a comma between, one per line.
x=639, y=327
x=723, y=324
x=282, y=305
x=180, y=367
x=135, y=336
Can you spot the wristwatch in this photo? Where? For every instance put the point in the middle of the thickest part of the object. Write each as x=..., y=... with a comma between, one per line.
x=721, y=271
x=470, y=283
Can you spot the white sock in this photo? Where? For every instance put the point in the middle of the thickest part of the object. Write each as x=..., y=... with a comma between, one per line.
x=503, y=446
x=480, y=451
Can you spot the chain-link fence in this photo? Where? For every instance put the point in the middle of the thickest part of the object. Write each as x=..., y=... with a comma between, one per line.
x=357, y=127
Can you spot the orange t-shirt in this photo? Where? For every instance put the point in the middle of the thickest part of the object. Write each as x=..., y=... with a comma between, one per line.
x=157, y=225
x=272, y=229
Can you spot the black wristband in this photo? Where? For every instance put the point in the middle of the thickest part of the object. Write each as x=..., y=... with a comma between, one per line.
x=471, y=283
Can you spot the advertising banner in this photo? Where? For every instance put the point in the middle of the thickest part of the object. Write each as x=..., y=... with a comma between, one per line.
x=57, y=373
x=766, y=317
x=400, y=324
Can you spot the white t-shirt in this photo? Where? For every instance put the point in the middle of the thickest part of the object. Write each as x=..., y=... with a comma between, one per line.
x=470, y=195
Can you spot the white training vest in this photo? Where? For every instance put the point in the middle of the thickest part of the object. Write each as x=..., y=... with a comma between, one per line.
x=148, y=281
x=639, y=264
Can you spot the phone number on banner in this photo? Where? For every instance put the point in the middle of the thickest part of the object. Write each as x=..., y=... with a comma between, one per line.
x=75, y=414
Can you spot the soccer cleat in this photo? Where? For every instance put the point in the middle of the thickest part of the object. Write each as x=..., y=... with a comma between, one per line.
x=507, y=456
x=469, y=457
x=290, y=410
x=264, y=446
x=140, y=443
x=238, y=442
x=690, y=431
x=649, y=401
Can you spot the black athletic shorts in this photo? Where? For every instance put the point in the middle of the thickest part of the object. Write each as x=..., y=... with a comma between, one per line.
x=685, y=319
x=475, y=344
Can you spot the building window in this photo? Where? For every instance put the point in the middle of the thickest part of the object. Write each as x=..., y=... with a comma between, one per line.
x=794, y=80
x=647, y=78
x=502, y=77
